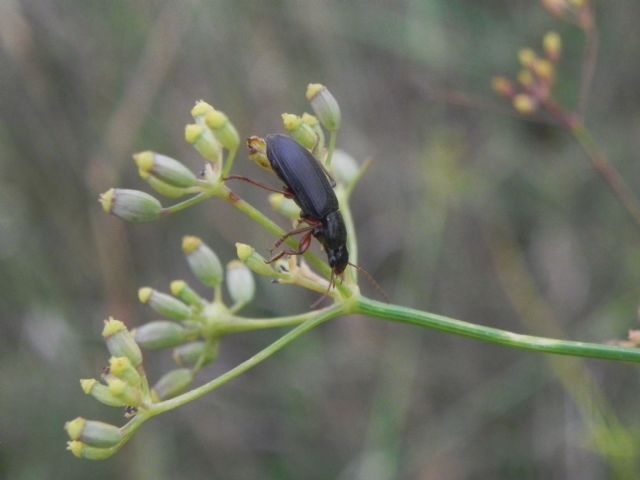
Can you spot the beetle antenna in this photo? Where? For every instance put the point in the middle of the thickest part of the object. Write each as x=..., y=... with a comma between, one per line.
x=332, y=283
x=372, y=281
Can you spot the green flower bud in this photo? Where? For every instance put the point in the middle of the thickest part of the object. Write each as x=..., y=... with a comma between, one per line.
x=131, y=205
x=163, y=334
x=82, y=450
x=300, y=131
x=258, y=152
x=129, y=394
x=284, y=206
x=313, y=122
x=93, y=433
x=189, y=354
x=164, y=304
x=100, y=392
x=324, y=105
x=344, y=167
x=204, y=142
x=240, y=282
x=200, y=110
x=180, y=289
x=165, y=168
x=120, y=342
x=162, y=187
x=204, y=263
x=223, y=129
x=121, y=368
x=255, y=261
x=172, y=383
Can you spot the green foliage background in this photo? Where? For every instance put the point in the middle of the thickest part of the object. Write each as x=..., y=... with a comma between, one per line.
x=468, y=212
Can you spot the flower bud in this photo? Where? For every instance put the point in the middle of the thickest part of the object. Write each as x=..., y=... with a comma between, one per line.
x=240, y=282
x=172, y=383
x=299, y=131
x=131, y=205
x=552, y=44
x=180, y=289
x=527, y=56
x=120, y=342
x=94, y=433
x=129, y=394
x=200, y=110
x=163, y=334
x=121, y=368
x=100, y=392
x=284, y=206
x=544, y=69
x=555, y=7
x=524, y=104
x=162, y=187
x=165, y=168
x=204, y=142
x=502, y=86
x=164, y=304
x=255, y=261
x=82, y=450
x=190, y=353
x=223, y=129
x=344, y=167
x=324, y=105
x=258, y=152
x=204, y=263
x=525, y=78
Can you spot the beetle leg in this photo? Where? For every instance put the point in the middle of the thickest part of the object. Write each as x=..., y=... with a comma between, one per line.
x=286, y=192
x=303, y=245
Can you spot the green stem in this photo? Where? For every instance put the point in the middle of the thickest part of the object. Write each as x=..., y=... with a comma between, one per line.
x=229, y=163
x=312, y=322
x=190, y=202
x=352, y=242
x=441, y=323
x=243, y=324
x=333, y=138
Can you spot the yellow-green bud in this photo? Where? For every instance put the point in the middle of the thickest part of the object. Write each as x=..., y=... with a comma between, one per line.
x=164, y=304
x=258, y=152
x=344, y=167
x=121, y=368
x=527, y=56
x=162, y=187
x=524, y=104
x=94, y=433
x=131, y=205
x=284, y=206
x=180, y=289
x=204, y=142
x=82, y=450
x=129, y=394
x=189, y=354
x=502, y=86
x=255, y=261
x=552, y=44
x=165, y=168
x=204, y=263
x=299, y=131
x=324, y=105
x=200, y=110
x=163, y=334
x=240, y=282
x=120, y=342
x=223, y=129
x=172, y=383
x=100, y=392
x=525, y=78
x=312, y=121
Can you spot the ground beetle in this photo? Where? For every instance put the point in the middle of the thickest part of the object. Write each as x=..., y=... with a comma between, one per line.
x=309, y=185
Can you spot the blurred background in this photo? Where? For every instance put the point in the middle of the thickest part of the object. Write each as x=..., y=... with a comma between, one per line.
x=468, y=211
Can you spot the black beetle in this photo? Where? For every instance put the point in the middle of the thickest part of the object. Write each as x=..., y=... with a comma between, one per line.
x=307, y=184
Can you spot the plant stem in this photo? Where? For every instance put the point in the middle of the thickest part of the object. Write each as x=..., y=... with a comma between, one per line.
x=366, y=306
x=190, y=202
x=314, y=319
x=608, y=173
x=333, y=137
x=243, y=324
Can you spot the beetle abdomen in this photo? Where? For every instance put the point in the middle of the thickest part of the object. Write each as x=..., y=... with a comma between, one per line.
x=301, y=173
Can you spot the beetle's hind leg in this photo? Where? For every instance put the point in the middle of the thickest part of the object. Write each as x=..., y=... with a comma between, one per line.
x=303, y=245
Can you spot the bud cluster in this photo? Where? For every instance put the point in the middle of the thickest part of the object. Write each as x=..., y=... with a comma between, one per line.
x=536, y=78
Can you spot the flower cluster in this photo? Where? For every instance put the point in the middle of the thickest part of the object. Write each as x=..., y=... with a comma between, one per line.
x=194, y=326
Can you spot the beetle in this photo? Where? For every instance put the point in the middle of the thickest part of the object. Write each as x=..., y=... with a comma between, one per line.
x=307, y=184
x=310, y=186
